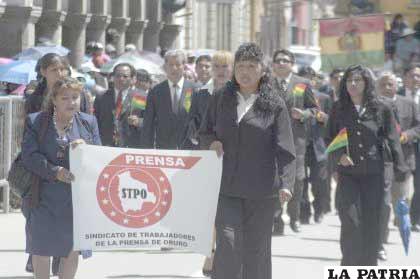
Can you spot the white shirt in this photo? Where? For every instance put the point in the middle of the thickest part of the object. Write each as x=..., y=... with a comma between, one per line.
x=289, y=77
x=244, y=105
x=416, y=95
x=180, y=85
x=209, y=86
x=124, y=94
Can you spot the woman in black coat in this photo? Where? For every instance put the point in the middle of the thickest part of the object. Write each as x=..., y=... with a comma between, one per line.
x=251, y=129
x=373, y=140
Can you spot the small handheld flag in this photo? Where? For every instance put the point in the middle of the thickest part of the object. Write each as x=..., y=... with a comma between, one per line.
x=341, y=140
x=138, y=102
x=299, y=89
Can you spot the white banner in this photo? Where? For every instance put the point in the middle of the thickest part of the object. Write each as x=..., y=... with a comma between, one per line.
x=147, y=199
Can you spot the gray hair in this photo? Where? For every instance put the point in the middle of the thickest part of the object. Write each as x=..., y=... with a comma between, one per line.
x=387, y=74
x=177, y=53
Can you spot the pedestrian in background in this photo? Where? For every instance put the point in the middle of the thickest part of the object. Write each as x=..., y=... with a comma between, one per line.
x=301, y=104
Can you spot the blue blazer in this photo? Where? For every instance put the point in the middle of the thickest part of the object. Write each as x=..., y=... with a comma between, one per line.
x=42, y=158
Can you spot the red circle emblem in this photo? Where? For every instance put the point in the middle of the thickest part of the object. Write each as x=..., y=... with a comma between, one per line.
x=134, y=197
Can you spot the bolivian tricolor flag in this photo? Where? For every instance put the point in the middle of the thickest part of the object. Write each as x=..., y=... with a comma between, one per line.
x=299, y=89
x=138, y=102
x=353, y=40
x=341, y=140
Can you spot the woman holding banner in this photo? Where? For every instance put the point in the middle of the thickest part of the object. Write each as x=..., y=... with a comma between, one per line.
x=362, y=135
x=251, y=130
x=50, y=215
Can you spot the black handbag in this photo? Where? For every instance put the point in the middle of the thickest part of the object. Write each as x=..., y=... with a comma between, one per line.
x=20, y=179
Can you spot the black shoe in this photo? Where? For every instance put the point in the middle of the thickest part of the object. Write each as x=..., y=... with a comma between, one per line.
x=29, y=267
x=278, y=228
x=382, y=255
x=318, y=218
x=294, y=225
x=207, y=272
x=55, y=266
x=415, y=228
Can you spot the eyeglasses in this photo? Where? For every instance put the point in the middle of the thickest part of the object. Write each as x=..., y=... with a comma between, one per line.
x=282, y=61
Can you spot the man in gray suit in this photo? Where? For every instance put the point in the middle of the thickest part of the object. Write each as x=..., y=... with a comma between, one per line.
x=301, y=104
x=166, y=119
x=409, y=127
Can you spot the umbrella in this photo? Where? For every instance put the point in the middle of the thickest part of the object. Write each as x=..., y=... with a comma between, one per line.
x=152, y=56
x=19, y=72
x=36, y=52
x=5, y=60
x=405, y=225
x=136, y=61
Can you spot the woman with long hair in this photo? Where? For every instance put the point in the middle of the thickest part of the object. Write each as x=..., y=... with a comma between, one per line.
x=372, y=137
x=251, y=130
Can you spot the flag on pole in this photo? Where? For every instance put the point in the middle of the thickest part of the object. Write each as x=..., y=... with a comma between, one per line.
x=352, y=40
x=341, y=140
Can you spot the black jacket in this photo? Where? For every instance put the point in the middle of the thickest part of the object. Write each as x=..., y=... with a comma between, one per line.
x=257, y=149
x=163, y=129
x=372, y=135
x=305, y=102
x=104, y=109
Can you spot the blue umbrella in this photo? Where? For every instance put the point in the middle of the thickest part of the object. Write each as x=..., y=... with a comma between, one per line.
x=19, y=72
x=402, y=212
x=36, y=52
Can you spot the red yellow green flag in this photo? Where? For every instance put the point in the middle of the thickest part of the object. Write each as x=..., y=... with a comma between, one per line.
x=352, y=40
x=341, y=140
x=138, y=102
x=299, y=89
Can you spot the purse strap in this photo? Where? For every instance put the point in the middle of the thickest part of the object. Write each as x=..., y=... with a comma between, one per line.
x=44, y=126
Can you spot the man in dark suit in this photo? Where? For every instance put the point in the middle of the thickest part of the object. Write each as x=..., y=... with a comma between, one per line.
x=166, y=120
x=119, y=123
x=315, y=156
x=297, y=94
x=408, y=119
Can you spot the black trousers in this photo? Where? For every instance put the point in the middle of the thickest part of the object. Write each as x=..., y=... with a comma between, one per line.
x=317, y=175
x=415, y=200
x=243, y=238
x=359, y=203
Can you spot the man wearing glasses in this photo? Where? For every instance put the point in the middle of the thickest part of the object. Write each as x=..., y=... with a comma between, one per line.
x=296, y=92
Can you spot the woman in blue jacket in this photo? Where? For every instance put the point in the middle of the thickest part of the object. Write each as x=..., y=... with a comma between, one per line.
x=50, y=214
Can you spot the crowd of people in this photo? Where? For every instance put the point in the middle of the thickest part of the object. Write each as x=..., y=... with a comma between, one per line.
x=270, y=124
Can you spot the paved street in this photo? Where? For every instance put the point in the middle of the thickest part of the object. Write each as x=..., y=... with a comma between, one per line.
x=294, y=256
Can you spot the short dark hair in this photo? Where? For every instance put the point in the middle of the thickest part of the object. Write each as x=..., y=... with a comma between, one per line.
x=249, y=52
x=132, y=69
x=410, y=67
x=336, y=71
x=306, y=70
x=205, y=57
x=143, y=75
x=284, y=52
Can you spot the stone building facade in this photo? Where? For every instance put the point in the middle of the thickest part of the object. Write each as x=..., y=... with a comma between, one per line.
x=72, y=23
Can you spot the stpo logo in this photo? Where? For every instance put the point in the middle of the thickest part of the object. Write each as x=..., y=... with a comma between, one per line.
x=133, y=190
